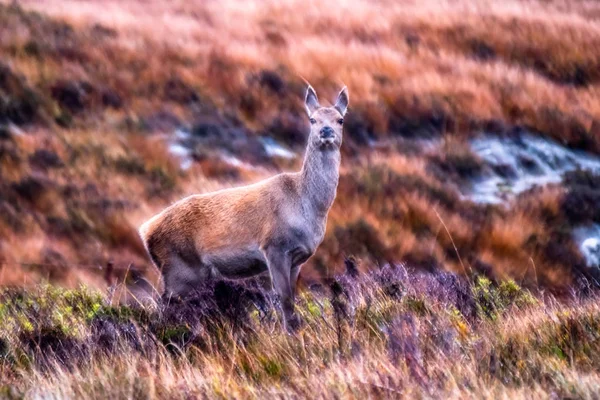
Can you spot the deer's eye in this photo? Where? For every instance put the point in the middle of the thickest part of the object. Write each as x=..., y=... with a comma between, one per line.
x=313, y=121
x=341, y=121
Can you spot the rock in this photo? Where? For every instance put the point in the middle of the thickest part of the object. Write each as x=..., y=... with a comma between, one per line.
x=521, y=161
x=587, y=238
x=590, y=249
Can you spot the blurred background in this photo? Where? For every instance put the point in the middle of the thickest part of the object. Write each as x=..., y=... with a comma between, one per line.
x=471, y=144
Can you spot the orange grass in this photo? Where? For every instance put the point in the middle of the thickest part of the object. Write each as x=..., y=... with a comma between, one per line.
x=460, y=66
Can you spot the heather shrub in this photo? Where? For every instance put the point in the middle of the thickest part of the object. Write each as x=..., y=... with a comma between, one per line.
x=492, y=300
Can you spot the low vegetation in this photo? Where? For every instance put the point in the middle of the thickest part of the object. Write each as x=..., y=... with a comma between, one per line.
x=389, y=333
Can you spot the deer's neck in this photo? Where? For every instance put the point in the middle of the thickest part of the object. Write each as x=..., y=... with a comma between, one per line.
x=319, y=178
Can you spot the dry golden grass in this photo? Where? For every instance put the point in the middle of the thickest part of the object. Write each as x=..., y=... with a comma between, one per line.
x=390, y=336
x=449, y=68
x=410, y=58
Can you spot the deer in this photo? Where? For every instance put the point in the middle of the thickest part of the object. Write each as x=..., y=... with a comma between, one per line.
x=268, y=228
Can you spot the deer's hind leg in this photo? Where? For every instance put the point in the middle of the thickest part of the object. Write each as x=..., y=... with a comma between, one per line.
x=184, y=271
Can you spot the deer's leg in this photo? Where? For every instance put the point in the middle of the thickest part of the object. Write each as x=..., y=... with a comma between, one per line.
x=264, y=280
x=182, y=275
x=280, y=268
x=294, y=273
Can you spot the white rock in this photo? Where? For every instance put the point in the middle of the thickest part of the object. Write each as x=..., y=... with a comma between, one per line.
x=535, y=161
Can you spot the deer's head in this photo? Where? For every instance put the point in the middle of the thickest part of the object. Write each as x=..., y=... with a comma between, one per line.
x=326, y=123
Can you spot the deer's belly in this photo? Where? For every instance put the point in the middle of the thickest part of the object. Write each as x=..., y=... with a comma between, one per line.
x=239, y=264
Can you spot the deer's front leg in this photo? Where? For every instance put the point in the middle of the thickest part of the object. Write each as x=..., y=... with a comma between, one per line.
x=280, y=268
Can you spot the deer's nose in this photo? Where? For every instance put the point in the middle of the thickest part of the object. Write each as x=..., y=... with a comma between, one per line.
x=326, y=132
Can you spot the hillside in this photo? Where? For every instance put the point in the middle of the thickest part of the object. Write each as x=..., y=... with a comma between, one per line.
x=462, y=253
x=110, y=116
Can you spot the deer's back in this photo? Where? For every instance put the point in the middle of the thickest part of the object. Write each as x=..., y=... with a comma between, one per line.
x=242, y=217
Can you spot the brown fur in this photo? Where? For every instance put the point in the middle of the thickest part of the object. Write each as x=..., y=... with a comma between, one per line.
x=274, y=225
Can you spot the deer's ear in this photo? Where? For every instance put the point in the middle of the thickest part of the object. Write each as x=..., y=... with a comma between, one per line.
x=341, y=104
x=311, y=102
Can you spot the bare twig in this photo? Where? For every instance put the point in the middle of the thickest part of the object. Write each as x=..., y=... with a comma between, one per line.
x=452, y=240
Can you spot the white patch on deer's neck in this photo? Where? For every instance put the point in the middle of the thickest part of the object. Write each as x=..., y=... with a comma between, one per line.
x=319, y=178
